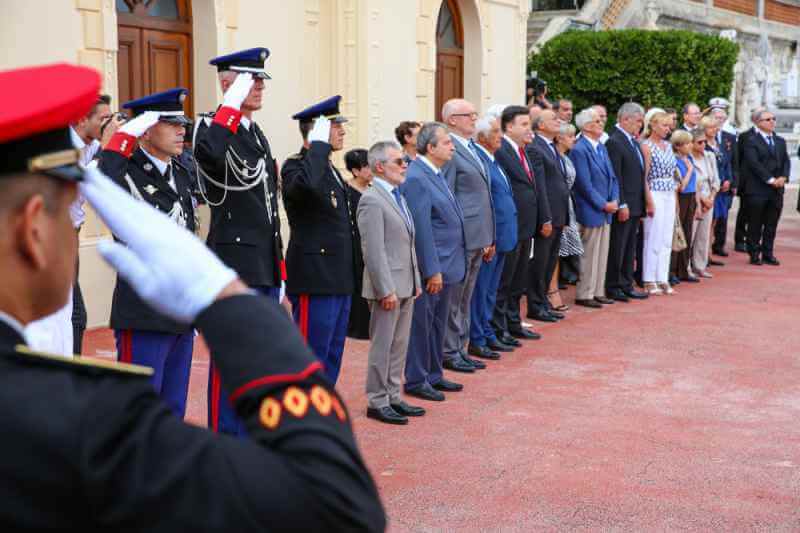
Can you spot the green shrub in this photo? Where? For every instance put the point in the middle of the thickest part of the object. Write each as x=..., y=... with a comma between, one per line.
x=654, y=68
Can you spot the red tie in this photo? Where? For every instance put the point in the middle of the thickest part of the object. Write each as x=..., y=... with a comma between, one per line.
x=525, y=164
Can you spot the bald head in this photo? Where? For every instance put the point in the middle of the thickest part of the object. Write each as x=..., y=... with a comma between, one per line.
x=460, y=117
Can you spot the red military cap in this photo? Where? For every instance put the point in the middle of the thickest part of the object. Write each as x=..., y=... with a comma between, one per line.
x=37, y=105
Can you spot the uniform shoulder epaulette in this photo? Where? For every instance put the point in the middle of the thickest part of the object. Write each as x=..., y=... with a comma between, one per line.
x=81, y=363
x=298, y=155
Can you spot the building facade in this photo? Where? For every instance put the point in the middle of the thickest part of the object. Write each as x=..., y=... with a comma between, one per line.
x=391, y=60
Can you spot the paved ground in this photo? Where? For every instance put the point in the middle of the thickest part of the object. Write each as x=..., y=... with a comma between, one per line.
x=678, y=413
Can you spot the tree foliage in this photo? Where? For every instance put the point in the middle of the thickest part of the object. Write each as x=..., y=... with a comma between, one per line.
x=654, y=68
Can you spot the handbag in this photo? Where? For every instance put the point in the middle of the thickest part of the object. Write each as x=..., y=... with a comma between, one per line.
x=679, y=243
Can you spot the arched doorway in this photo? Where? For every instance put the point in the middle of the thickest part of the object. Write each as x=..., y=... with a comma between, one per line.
x=155, y=48
x=449, y=55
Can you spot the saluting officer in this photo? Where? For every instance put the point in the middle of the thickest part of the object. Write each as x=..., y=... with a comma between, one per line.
x=150, y=173
x=320, y=258
x=87, y=444
x=238, y=179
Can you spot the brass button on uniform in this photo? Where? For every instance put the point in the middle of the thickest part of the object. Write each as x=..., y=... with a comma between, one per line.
x=322, y=251
x=238, y=239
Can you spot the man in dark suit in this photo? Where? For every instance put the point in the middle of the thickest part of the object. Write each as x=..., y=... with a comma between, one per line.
x=628, y=162
x=545, y=249
x=726, y=141
x=742, y=226
x=470, y=184
x=441, y=255
x=151, y=174
x=238, y=179
x=765, y=163
x=320, y=259
x=533, y=218
x=484, y=297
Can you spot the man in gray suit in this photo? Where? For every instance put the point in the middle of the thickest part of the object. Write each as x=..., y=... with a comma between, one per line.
x=391, y=281
x=471, y=185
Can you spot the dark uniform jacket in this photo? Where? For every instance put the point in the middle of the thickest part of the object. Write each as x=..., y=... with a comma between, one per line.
x=321, y=255
x=728, y=146
x=143, y=180
x=243, y=233
x=629, y=168
x=533, y=209
x=759, y=163
x=92, y=448
x=555, y=182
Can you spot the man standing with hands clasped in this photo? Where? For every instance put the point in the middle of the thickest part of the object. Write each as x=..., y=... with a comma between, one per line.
x=391, y=282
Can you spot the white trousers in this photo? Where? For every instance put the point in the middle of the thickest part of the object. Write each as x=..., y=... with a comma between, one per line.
x=658, y=231
x=701, y=233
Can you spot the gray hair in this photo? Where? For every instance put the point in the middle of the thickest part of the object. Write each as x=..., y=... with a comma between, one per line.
x=496, y=110
x=378, y=153
x=585, y=117
x=629, y=109
x=484, y=125
x=567, y=129
x=757, y=113
x=427, y=135
x=698, y=133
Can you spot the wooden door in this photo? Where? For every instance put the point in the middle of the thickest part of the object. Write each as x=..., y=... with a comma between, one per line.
x=449, y=55
x=155, y=48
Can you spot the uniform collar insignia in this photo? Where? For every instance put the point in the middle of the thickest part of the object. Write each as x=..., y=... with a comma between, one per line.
x=150, y=189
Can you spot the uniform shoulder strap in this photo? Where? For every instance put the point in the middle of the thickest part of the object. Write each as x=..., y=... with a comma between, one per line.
x=79, y=364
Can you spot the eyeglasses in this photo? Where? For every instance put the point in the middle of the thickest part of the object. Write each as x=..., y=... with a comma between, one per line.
x=700, y=142
x=470, y=115
x=770, y=119
x=399, y=161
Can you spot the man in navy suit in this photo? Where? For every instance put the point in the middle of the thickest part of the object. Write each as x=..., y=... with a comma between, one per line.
x=481, y=334
x=442, y=260
x=596, y=201
x=533, y=218
x=545, y=249
x=765, y=167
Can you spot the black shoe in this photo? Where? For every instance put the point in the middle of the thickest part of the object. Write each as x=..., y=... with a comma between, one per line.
x=714, y=262
x=771, y=260
x=499, y=346
x=524, y=333
x=407, y=410
x=740, y=247
x=448, y=386
x=755, y=259
x=562, y=286
x=557, y=314
x=588, y=303
x=603, y=300
x=508, y=340
x=483, y=352
x=474, y=363
x=673, y=280
x=691, y=279
x=457, y=365
x=426, y=392
x=618, y=296
x=721, y=253
x=635, y=295
x=541, y=316
x=386, y=415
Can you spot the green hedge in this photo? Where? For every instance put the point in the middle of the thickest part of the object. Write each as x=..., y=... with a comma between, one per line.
x=654, y=68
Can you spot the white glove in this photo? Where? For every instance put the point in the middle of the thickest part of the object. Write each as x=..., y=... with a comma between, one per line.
x=137, y=126
x=168, y=267
x=321, y=130
x=238, y=91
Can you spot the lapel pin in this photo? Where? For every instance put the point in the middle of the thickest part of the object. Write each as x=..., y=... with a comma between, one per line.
x=334, y=203
x=150, y=189
x=147, y=167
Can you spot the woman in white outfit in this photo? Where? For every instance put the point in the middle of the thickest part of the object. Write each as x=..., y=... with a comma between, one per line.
x=707, y=187
x=660, y=167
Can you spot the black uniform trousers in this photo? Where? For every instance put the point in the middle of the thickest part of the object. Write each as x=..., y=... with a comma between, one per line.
x=513, y=281
x=720, y=235
x=541, y=268
x=740, y=234
x=763, y=213
x=622, y=254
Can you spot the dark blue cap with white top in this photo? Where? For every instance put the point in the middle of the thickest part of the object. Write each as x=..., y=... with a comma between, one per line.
x=168, y=103
x=250, y=60
x=327, y=108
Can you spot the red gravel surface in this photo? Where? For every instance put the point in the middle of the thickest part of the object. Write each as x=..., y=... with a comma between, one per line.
x=677, y=413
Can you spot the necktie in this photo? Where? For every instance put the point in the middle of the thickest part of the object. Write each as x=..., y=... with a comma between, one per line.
x=525, y=164
x=398, y=199
x=170, y=178
x=771, y=144
x=500, y=171
x=638, y=150
x=474, y=150
x=558, y=158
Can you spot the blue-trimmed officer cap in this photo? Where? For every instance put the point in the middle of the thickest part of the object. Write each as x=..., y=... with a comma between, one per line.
x=168, y=103
x=250, y=60
x=327, y=108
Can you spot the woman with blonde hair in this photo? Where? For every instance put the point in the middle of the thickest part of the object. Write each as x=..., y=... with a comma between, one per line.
x=707, y=186
x=660, y=167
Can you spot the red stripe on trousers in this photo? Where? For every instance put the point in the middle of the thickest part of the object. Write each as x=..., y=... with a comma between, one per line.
x=215, y=389
x=126, y=347
x=304, y=316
